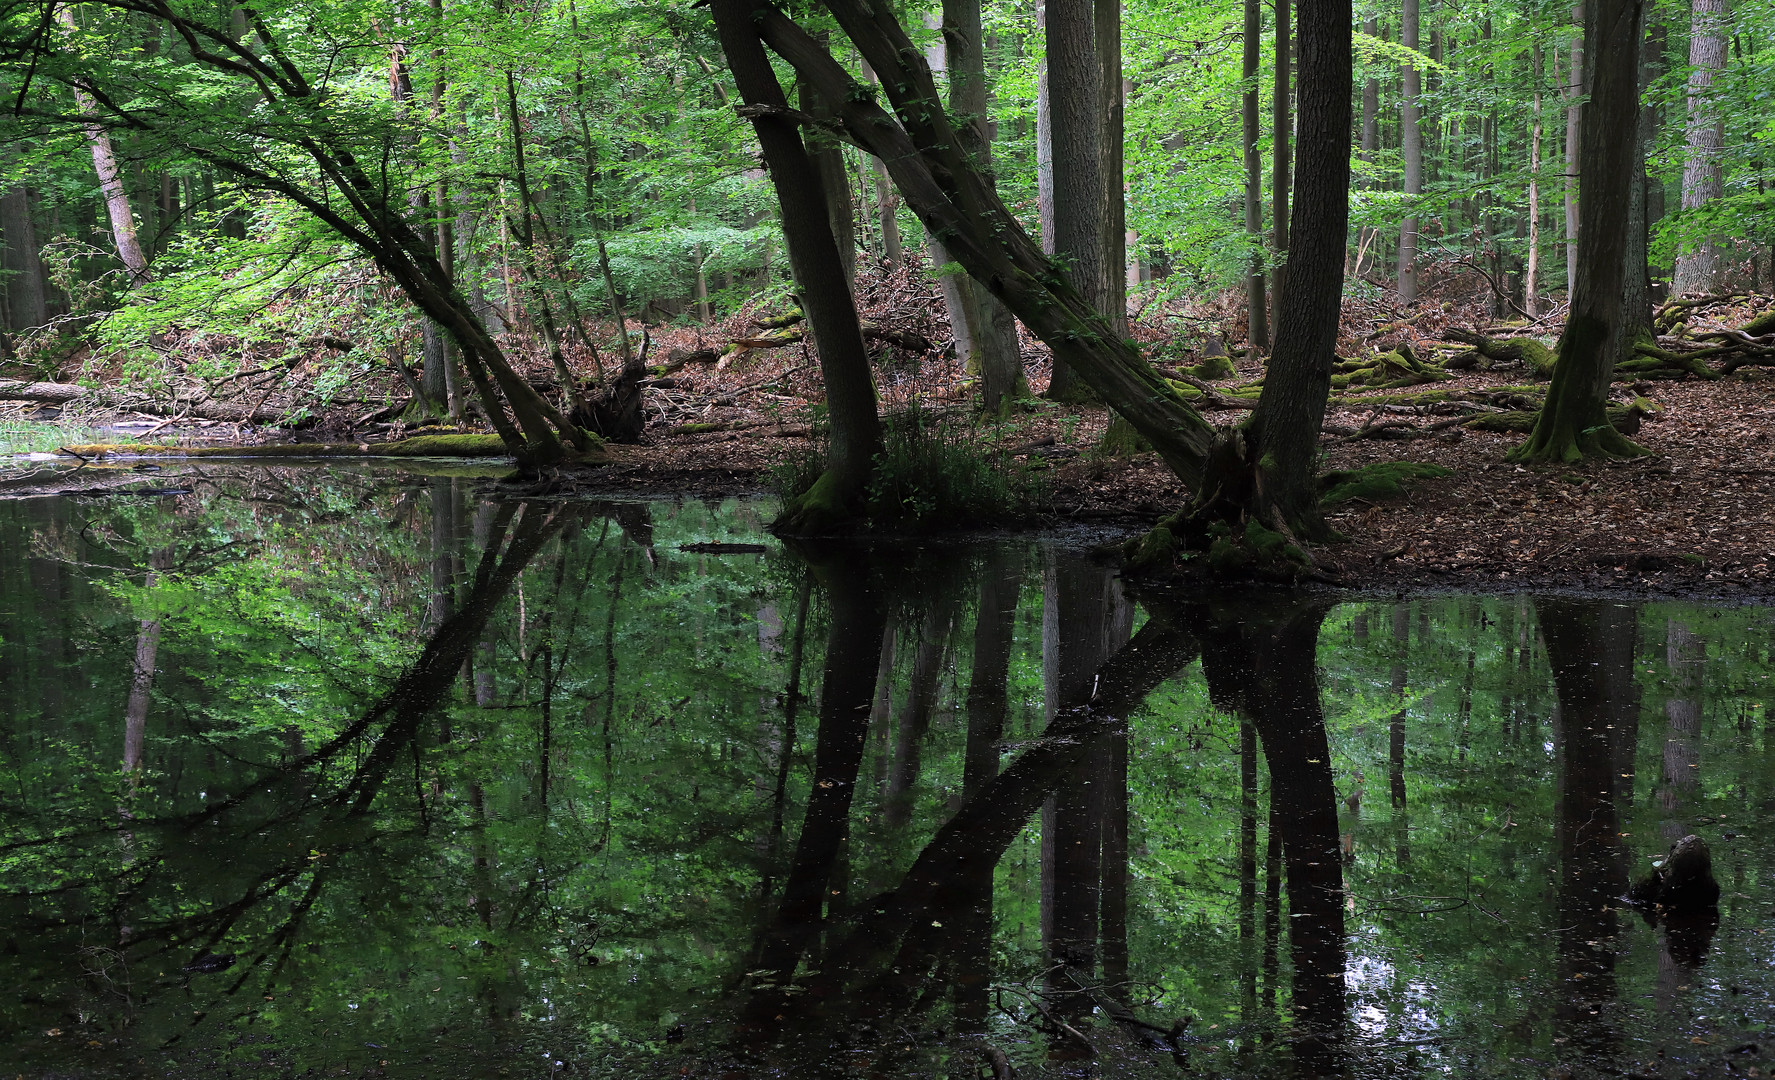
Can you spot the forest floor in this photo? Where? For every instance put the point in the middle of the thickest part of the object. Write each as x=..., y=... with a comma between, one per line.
x=1697, y=516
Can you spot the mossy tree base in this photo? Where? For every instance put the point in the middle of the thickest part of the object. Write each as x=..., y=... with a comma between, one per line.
x=1570, y=440
x=1233, y=527
x=829, y=507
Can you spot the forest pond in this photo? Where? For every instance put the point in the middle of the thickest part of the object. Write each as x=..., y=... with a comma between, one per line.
x=331, y=771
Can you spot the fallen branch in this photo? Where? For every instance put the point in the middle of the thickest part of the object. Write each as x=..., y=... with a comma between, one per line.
x=68, y=394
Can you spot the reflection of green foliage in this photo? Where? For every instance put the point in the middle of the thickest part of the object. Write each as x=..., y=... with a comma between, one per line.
x=470, y=912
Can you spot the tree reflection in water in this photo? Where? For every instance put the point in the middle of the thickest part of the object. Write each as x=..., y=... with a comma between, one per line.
x=961, y=847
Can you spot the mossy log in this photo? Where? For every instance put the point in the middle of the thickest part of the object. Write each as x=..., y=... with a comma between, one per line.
x=456, y=445
x=1386, y=371
x=1531, y=354
x=1623, y=418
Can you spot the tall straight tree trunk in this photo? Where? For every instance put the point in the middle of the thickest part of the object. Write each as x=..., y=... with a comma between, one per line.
x=1411, y=139
x=819, y=273
x=1256, y=303
x=1531, y=289
x=1653, y=119
x=1635, y=324
x=1574, y=116
x=1111, y=102
x=1572, y=423
x=1698, y=266
x=104, y=162
x=1371, y=105
x=27, y=301
x=1075, y=92
x=1044, y=136
x=1283, y=435
x=992, y=331
x=1280, y=117
x=887, y=201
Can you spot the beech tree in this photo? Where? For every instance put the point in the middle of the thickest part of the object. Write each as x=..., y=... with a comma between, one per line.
x=1572, y=423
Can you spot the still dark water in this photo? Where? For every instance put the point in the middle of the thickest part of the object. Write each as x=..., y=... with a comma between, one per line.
x=331, y=772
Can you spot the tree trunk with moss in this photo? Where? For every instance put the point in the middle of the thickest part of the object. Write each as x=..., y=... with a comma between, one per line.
x=1573, y=424
x=819, y=274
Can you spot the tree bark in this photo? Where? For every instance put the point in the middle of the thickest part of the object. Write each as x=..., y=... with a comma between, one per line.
x=1698, y=266
x=1279, y=158
x=1411, y=137
x=819, y=273
x=1531, y=288
x=1256, y=300
x=1284, y=429
x=104, y=162
x=1574, y=116
x=1572, y=423
x=1075, y=90
x=27, y=299
x=991, y=331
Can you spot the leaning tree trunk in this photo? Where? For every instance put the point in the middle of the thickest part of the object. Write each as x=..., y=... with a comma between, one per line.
x=1411, y=137
x=819, y=273
x=1572, y=423
x=104, y=162
x=1283, y=435
x=1698, y=266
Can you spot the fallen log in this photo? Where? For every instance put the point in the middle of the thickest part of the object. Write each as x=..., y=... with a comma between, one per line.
x=417, y=446
x=69, y=394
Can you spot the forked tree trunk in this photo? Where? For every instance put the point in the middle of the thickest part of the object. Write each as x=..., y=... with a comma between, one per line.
x=819, y=273
x=1572, y=423
x=1283, y=434
x=958, y=204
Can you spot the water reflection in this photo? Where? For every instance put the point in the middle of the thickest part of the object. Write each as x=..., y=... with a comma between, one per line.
x=425, y=783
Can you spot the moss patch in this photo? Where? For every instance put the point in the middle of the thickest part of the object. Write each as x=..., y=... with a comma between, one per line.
x=1382, y=480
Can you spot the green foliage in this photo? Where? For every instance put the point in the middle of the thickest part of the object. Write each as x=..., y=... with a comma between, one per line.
x=936, y=472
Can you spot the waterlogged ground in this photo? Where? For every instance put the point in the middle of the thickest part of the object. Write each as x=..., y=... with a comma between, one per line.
x=336, y=772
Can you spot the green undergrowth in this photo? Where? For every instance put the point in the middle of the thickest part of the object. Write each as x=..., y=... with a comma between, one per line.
x=1382, y=480
x=933, y=474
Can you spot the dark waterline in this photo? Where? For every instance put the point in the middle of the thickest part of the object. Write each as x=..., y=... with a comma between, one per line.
x=334, y=771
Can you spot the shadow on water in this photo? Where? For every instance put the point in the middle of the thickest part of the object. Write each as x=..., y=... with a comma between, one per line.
x=419, y=784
